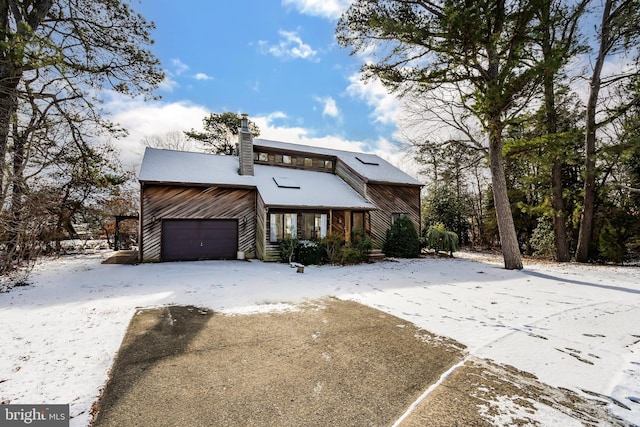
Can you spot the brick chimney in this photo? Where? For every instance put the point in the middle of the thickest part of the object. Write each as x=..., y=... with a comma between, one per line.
x=245, y=144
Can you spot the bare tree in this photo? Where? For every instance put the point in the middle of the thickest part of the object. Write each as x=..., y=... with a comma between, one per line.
x=173, y=140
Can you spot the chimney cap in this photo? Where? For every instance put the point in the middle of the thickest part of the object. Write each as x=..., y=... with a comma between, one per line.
x=245, y=122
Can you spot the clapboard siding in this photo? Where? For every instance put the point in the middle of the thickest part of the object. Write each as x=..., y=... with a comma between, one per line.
x=174, y=202
x=391, y=199
x=350, y=177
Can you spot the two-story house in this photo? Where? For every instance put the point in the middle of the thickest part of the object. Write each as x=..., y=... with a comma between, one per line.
x=206, y=206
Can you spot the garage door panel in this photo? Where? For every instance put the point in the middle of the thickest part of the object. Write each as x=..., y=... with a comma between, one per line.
x=199, y=239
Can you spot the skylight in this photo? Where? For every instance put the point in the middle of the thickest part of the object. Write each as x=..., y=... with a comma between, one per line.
x=284, y=182
x=367, y=162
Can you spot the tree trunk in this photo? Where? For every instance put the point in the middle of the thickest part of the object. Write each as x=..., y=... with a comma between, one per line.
x=506, y=227
x=557, y=199
x=589, y=200
x=8, y=106
x=559, y=214
x=14, y=250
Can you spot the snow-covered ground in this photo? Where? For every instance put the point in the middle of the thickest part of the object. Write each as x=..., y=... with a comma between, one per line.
x=573, y=326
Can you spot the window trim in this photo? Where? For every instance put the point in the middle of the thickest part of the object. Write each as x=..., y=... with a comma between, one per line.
x=322, y=217
x=397, y=215
x=274, y=228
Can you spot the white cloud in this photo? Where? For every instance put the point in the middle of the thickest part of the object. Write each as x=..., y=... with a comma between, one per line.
x=385, y=106
x=291, y=47
x=202, y=76
x=168, y=84
x=179, y=67
x=384, y=148
x=330, y=9
x=330, y=108
x=142, y=119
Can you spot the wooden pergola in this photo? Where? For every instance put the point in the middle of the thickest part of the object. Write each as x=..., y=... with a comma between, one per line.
x=120, y=218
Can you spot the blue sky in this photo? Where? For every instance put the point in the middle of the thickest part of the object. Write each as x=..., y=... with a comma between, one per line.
x=278, y=61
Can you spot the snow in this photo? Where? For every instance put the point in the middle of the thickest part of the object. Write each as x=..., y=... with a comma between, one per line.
x=315, y=189
x=183, y=167
x=370, y=166
x=572, y=326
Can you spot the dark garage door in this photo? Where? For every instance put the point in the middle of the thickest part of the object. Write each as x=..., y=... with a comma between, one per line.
x=193, y=239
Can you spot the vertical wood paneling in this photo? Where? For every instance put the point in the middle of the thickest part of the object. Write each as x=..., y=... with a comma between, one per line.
x=391, y=199
x=172, y=202
x=350, y=178
x=261, y=228
x=337, y=222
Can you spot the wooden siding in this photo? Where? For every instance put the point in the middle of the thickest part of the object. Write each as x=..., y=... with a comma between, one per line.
x=337, y=222
x=391, y=199
x=261, y=228
x=172, y=202
x=351, y=178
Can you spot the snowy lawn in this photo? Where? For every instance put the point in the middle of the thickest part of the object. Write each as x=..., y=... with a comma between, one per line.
x=572, y=326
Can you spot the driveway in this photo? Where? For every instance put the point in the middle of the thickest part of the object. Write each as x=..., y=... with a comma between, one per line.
x=329, y=362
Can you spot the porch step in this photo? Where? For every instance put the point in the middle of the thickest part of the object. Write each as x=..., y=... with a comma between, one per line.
x=376, y=255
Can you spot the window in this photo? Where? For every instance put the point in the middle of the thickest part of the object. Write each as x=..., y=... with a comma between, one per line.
x=367, y=161
x=263, y=157
x=278, y=158
x=282, y=226
x=285, y=182
x=286, y=159
x=357, y=221
x=308, y=162
x=327, y=164
x=314, y=226
x=396, y=216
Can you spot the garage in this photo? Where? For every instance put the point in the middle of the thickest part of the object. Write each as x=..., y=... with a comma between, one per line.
x=195, y=239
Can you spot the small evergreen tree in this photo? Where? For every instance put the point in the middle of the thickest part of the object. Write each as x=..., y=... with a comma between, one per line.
x=439, y=239
x=402, y=239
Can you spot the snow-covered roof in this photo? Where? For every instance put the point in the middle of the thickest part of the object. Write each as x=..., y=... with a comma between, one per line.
x=278, y=186
x=370, y=166
x=184, y=167
x=282, y=186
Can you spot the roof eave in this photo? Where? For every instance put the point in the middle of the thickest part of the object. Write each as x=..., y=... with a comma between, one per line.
x=197, y=184
x=315, y=207
x=403, y=184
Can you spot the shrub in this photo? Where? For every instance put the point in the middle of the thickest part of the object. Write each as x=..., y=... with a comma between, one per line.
x=288, y=249
x=333, y=244
x=439, y=239
x=350, y=255
x=362, y=245
x=443, y=204
x=310, y=252
x=543, y=239
x=402, y=240
x=611, y=243
x=340, y=252
x=332, y=249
